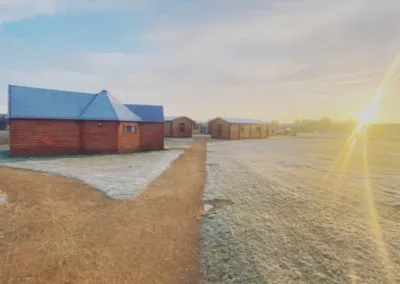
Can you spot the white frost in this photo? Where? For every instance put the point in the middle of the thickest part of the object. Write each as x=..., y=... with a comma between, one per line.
x=284, y=217
x=117, y=176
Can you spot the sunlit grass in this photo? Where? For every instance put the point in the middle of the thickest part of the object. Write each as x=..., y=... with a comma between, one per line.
x=373, y=218
x=360, y=134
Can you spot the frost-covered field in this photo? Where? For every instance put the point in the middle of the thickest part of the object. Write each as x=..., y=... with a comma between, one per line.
x=117, y=176
x=282, y=217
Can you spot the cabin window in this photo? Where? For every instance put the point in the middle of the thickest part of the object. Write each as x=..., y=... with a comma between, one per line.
x=130, y=128
x=182, y=127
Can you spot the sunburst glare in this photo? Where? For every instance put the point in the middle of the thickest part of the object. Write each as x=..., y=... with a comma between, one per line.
x=365, y=117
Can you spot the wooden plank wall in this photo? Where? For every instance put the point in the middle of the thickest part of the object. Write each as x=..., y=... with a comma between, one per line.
x=176, y=130
x=151, y=136
x=99, y=139
x=225, y=127
x=44, y=137
x=235, y=131
x=128, y=142
x=68, y=137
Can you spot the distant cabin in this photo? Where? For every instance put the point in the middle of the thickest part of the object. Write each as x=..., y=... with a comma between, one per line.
x=238, y=128
x=178, y=126
x=54, y=122
x=203, y=127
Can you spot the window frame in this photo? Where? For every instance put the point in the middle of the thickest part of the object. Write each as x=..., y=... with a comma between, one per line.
x=129, y=128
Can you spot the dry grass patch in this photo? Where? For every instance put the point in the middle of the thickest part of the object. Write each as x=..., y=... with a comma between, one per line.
x=56, y=230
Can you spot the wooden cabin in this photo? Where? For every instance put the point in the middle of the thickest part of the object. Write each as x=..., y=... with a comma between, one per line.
x=53, y=122
x=238, y=128
x=178, y=126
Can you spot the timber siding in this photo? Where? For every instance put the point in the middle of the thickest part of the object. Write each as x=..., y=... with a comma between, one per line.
x=151, y=136
x=128, y=141
x=44, y=137
x=99, y=139
x=222, y=129
x=173, y=129
x=168, y=128
x=41, y=137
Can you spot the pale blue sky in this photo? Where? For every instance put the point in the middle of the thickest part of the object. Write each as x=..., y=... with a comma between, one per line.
x=266, y=59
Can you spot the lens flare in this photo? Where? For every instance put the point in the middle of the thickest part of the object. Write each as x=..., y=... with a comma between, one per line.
x=366, y=115
x=359, y=137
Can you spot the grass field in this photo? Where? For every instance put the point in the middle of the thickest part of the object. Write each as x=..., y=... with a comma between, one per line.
x=286, y=213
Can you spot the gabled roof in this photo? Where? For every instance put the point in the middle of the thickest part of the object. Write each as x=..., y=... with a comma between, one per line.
x=171, y=118
x=242, y=120
x=148, y=113
x=29, y=102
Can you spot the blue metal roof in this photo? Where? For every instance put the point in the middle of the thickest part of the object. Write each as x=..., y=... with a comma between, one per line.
x=148, y=113
x=28, y=102
x=243, y=120
x=105, y=107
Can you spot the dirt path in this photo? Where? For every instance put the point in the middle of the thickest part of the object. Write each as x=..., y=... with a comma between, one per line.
x=56, y=230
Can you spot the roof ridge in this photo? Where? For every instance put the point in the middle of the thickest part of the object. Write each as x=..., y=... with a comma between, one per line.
x=108, y=94
x=88, y=105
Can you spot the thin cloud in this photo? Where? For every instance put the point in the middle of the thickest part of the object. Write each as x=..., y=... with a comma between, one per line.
x=275, y=58
x=13, y=10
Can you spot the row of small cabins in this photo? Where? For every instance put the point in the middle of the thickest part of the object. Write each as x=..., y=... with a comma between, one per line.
x=53, y=122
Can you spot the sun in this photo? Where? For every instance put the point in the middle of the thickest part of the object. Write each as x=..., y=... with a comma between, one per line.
x=366, y=115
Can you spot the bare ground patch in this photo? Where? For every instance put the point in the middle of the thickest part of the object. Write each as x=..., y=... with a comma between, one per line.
x=56, y=230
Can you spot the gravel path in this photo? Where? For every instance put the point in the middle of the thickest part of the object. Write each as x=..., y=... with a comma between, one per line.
x=117, y=176
x=178, y=142
x=278, y=219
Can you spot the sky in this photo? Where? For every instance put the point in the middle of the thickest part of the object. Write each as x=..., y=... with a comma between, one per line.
x=262, y=59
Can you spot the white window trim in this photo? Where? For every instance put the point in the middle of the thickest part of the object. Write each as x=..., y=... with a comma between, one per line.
x=130, y=128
